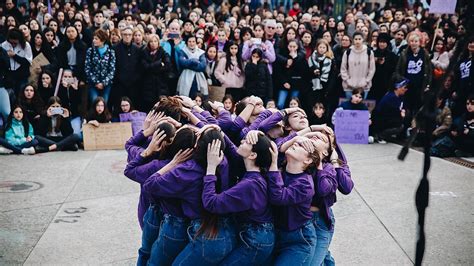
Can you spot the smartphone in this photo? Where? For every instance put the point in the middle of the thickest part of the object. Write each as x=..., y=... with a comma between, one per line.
x=173, y=35
x=57, y=111
x=257, y=41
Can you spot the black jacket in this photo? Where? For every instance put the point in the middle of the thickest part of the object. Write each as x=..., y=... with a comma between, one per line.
x=61, y=55
x=155, y=70
x=258, y=80
x=127, y=64
x=45, y=126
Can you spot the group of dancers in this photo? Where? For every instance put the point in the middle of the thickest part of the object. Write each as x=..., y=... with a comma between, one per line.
x=254, y=189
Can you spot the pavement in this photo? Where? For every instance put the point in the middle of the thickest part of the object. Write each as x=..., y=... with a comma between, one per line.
x=75, y=208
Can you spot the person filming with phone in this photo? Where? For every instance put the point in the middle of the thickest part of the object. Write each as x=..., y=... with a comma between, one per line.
x=55, y=132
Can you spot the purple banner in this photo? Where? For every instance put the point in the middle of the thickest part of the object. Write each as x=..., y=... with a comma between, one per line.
x=352, y=126
x=137, y=119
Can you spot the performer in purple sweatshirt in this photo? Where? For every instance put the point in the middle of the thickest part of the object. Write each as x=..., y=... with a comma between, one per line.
x=143, y=166
x=291, y=191
x=332, y=174
x=247, y=199
x=210, y=237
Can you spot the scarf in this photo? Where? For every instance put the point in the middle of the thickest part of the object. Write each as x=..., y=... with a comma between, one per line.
x=188, y=76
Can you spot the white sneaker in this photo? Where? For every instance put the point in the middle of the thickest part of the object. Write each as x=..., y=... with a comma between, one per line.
x=381, y=141
x=371, y=139
x=4, y=150
x=28, y=151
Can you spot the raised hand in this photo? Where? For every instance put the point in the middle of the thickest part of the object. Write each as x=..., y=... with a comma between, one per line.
x=214, y=156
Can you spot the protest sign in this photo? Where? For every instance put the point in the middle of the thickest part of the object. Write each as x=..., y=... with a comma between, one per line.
x=37, y=62
x=137, y=119
x=107, y=136
x=352, y=126
x=443, y=6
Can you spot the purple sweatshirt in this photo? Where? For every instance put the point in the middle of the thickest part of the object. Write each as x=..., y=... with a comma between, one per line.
x=293, y=194
x=241, y=126
x=139, y=170
x=135, y=145
x=270, y=122
x=184, y=182
x=248, y=198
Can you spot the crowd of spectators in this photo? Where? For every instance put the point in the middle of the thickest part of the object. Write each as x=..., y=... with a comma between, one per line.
x=103, y=58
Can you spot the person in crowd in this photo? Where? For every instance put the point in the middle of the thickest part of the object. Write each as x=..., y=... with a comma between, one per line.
x=71, y=54
x=308, y=43
x=229, y=103
x=357, y=67
x=98, y=113
x=318, y=116
x=259, y=41
x=258, y=80
x=320, y=66
x=192, y=65
x=294, y=103
x=39, y=45
x=4, y=92
x=20, y=55
x=463, y=133
x=230, y=71
x=291, y=76
x=51, y=38
x=100, y=67
x=115, y=37
x=128, y=69
x=212, y=62
x=439, y=58
x=385, y=62
x=46, y=85
x=398, y=43
x=126, y=105
x=32, y=104
x=70, y=94
x=156, y=64
x=464, y=78
x=55, y=132
x=19, y=134
x=389, y=114
x=415, y=64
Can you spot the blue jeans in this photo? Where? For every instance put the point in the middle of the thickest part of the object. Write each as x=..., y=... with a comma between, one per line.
x=283, y=94
x=202, y=250
x=349, y=94
x=4, y=104
x=287, y=4
x=295, y=247
x=256, y=245
x=324, y=234
x=94, y=93
x=151, y=228
x=17, y=148
x=171, y=241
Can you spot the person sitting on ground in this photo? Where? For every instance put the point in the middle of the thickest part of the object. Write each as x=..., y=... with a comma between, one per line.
x=19, y=137
x=99, y=113
x=55, y=132
x=318, y=116
x=390, y=113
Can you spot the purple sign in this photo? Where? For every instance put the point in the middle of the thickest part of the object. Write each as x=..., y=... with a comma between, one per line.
x=352, y=126
x=137, y=119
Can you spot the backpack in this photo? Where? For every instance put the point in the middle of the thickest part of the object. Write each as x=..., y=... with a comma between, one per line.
x=348, y=52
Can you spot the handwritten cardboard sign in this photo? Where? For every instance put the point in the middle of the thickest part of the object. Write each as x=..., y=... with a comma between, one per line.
x=137, y=119
x=352, y=126
x=443, y=7
x=108, y=136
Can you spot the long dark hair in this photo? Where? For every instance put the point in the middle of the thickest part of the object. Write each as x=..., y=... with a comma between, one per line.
x=183, y=139
x=52, y=100
x=264, y=156
x=228, y=64
x=101, y=118
x=209, y=220
x=16, y=34
x=284, y=39
x=24, y=121
x=36, y=101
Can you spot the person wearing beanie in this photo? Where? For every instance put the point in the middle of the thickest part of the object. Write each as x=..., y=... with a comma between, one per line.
x=385, y=62
x=389, y=114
